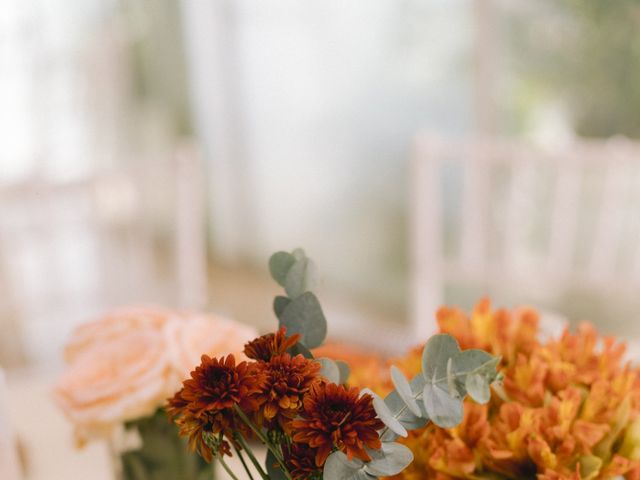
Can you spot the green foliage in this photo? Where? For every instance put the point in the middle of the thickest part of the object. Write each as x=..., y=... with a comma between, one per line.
x=280, y=303
x=581, y=54
x=293, y=271
x=329, y=370
x=391, y=459
x=345, y=371
x=163, y=455
x=403, y=388
x=300, y=310
x=299, y=348
x=304, y=316
x=436, y=394
x=273, y=469
x=279, y=265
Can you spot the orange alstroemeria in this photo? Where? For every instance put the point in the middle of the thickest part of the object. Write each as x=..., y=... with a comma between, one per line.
x=569, y=407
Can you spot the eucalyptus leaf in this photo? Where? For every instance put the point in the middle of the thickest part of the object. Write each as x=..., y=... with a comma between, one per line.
x=404, y=415
x=329, y=370
x=417, y=384
x=436, y=354
x=279, y=265
x=345, y=371
x=339, y=467
x=478, y=388
x=443, y=410
x=299, y=254
x=474, y=361
x=300, y=278
x=300, y=349
x=387, y=417
x=279, y=305
x=391, y=459
x=304, y=316
x=451, y=380
x=404, y=390
x=470, y=360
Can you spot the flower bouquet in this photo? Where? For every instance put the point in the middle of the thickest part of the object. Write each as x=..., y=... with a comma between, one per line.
x=312, y=422
x=568, y=408
x=121, y=369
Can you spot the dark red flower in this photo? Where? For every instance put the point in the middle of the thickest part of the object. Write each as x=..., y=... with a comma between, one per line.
x=300, y=460
x=334, y=416
x=288, y=380
x=266, y=346
x=206, y=402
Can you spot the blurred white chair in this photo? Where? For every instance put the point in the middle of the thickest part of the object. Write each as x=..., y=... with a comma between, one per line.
x=9, y=463
x=508, y=215
x=69, y=250
x=66, y=250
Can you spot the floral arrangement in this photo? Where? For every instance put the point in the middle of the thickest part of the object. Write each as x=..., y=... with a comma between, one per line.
x=121, y=369
x=568, y=408
x=313, y=423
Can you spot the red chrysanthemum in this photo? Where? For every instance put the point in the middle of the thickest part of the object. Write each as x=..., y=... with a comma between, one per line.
x=288, y=380
x=300, y=460
x=334, y=416
x=206, y=402
x=271, y=344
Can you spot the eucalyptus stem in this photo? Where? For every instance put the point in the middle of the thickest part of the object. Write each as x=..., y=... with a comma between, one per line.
x=252, y=457
x=265, y=440
x=244, y=464
x=226, y=467
x=451, y=375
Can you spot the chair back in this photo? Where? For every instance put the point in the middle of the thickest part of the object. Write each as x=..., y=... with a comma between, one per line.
x=516, y=216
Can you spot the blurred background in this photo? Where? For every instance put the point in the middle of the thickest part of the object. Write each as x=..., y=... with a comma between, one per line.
x=422, y=152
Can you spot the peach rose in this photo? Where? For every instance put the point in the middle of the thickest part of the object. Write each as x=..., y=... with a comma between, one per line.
x=115, y=381
x=198, y=334
x=126, y=364
x=114, y=325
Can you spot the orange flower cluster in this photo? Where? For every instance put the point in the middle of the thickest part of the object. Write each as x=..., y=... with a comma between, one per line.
x=569, y=408
x=282, y=393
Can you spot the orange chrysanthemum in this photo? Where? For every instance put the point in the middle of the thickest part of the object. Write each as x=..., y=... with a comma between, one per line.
x=288, y=379
x=569, y=407
x=337, y=417
x=206, y=402
x=271, y=344
x=300, y=460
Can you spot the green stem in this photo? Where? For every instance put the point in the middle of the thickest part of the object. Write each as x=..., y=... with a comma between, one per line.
x=252, y=457
x=264, y=440
x=244, y=464
x=226, y=467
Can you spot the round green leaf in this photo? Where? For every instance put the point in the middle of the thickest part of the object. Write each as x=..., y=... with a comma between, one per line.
x=408, y=420
x=478, y=388
x=436, y=354
x=345, y=371
x=404, y=390
x=443, y=410
x=279, y=265
x=304, y=316
x=391, y=459
x=279, y=304
x=300, y=278
x=300, y=349
x=387, y=417
x=339, y=467
x=329, y=370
